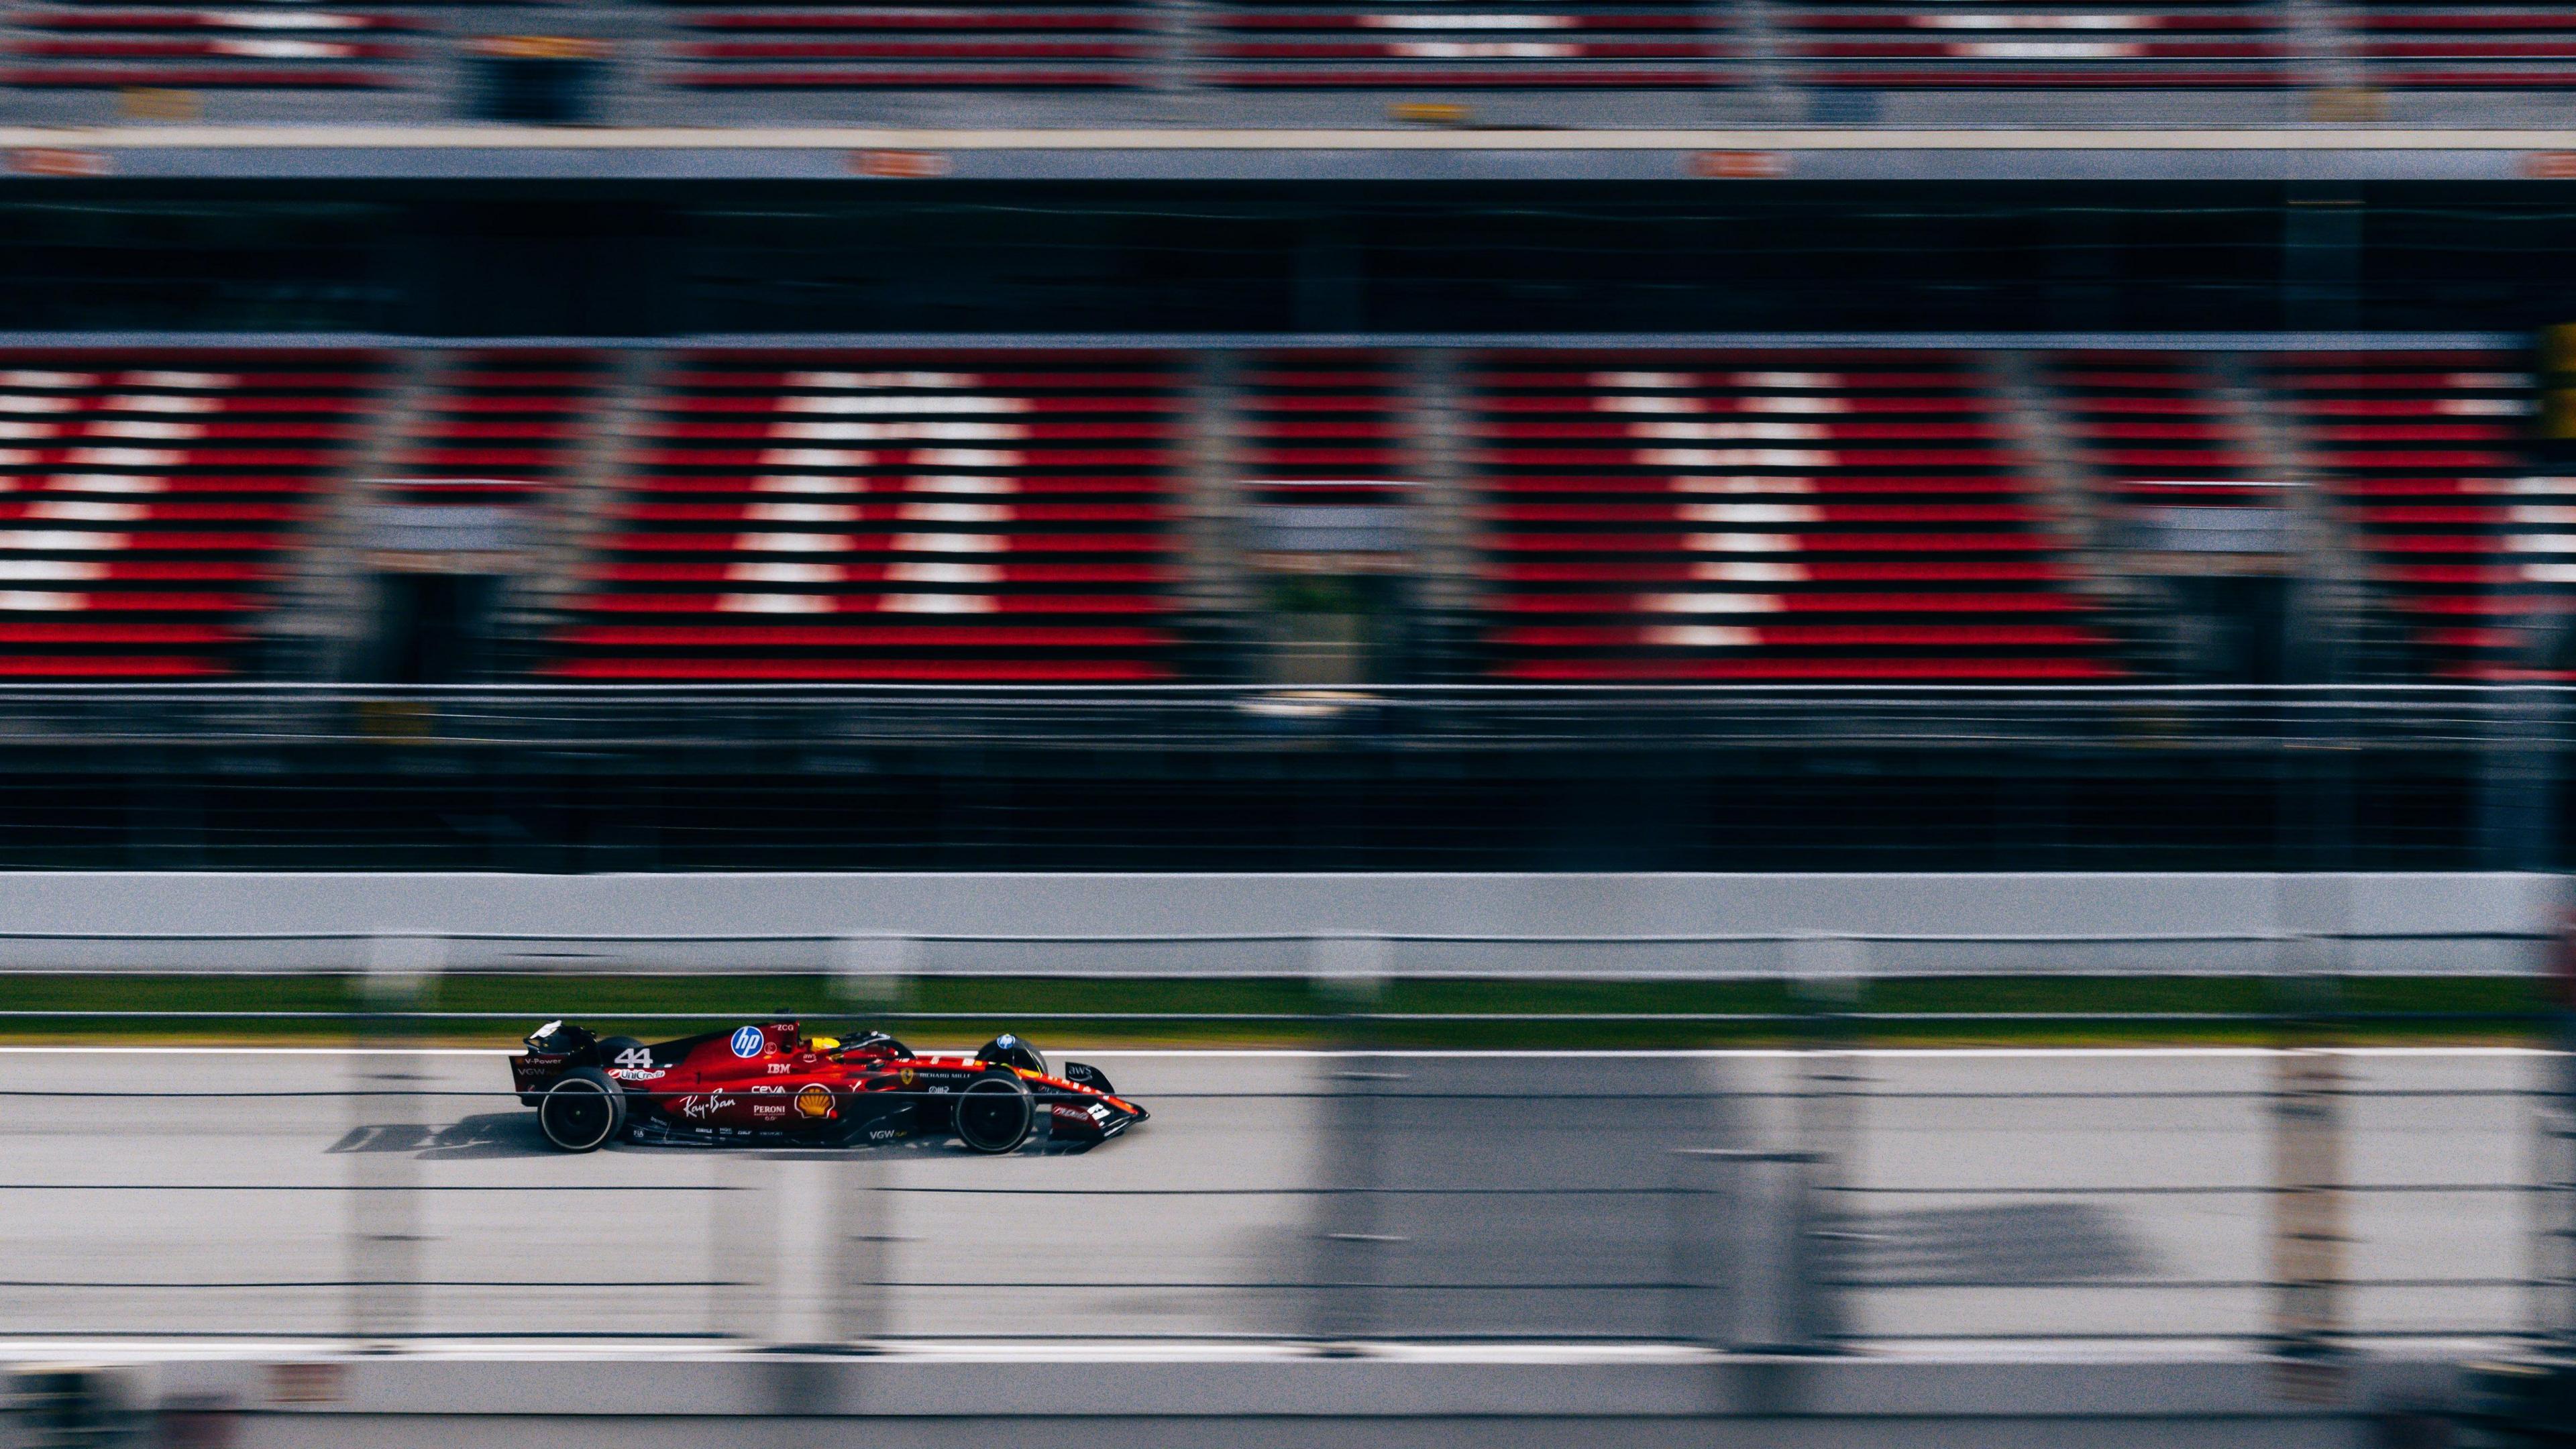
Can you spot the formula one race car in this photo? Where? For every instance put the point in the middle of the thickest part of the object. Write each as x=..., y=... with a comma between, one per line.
x=771, y=1083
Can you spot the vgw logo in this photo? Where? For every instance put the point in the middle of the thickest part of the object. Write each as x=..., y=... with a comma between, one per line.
x=746, y=1042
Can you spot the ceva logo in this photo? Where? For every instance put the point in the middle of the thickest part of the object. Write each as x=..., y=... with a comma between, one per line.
x=746, y=1042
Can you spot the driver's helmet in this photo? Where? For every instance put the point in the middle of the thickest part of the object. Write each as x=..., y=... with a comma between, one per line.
x=1010, y=1051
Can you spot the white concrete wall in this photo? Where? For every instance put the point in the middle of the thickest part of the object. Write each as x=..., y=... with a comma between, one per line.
x=1080, y=924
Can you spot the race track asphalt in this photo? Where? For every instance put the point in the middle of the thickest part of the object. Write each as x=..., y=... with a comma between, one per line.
x=242, y=1193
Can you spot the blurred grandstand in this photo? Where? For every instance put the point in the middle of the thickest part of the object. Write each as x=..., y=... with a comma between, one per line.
x=815, y=593
x=1224, y=453
x=1615, y=62
x=1619, y=516
x=1276, y=436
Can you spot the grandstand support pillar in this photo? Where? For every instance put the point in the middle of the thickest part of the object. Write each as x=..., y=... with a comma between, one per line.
x=1769, y=80
x=2320, y=600
x=2047, y=456
x=2323, y=60
x=322, y=626
x=1443, y=536
x=574, y=513
x=2321, y=240
x=387, y=1130
x=2056, y=469
x=1217, y=592
x=1177, y=25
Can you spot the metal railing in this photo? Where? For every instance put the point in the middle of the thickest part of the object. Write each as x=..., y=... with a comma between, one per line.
x=1146, y=718
x=614, y=779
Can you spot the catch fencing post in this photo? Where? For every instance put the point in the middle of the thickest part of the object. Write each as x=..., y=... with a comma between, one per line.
x=386, y=1131
x=2554, y=1308
x=871, y=972
x=823, y=1279
x=2307, y=1163
x=1831, y=979
x=1350, y=972
x=1745, y=1259
x=862, y=1248
x=742, y=1244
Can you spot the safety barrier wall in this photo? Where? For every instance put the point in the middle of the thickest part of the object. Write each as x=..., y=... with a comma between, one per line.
x=1285, y=926
x=1101, y=1401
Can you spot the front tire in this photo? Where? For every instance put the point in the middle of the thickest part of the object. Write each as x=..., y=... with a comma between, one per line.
x=995, y=1114
x=582, y=1111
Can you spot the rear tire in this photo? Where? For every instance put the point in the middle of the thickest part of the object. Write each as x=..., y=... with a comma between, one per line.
x=582, y=1111
x=995, y=1114
x=613, y=1053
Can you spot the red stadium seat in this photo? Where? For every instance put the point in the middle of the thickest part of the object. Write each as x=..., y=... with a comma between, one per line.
x=996, y=517
x=2424, y=454
x=2428, y=46
x=1910, y=45
x=147, y=499
x=505, y=427
x=1413, y=45
x=997, y=46
x=2154, y=429
x=1765, y=516
x=78, y=47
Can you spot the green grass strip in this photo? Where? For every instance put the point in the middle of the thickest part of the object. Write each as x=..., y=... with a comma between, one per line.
x=495, y=1010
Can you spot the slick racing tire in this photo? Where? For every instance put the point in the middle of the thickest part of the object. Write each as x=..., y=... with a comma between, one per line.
x=583, y=1110
x=995, y=1114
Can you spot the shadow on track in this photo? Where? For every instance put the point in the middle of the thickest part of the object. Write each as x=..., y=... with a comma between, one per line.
x=489, y=1135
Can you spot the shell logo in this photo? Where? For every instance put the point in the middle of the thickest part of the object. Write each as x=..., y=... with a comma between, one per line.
x=814, y=1101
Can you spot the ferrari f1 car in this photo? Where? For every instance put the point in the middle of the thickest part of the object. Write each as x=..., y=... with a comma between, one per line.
x=771, y=1083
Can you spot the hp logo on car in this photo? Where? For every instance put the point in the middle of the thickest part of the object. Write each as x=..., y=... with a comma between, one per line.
x=746, y=1042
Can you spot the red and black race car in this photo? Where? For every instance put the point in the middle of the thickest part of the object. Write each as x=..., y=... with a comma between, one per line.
x=771, y=1083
